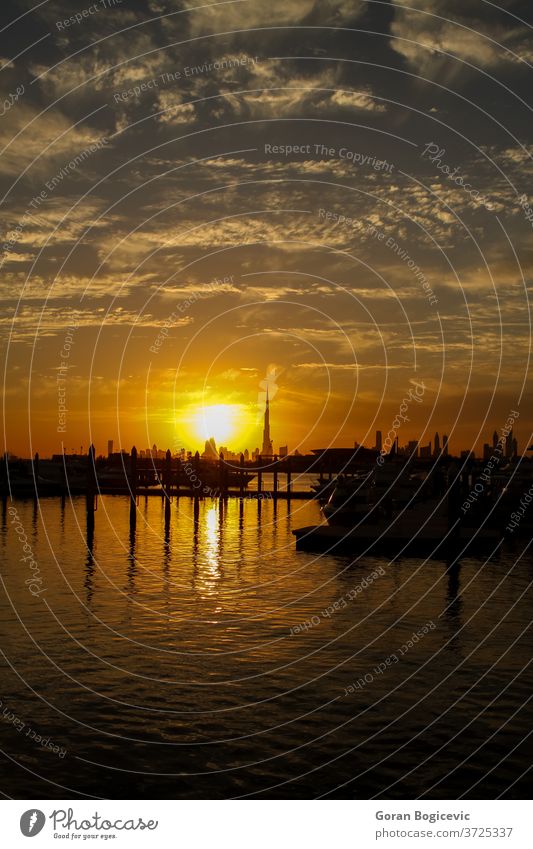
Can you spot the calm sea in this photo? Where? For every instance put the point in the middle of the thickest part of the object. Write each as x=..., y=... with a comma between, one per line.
x=203, y=657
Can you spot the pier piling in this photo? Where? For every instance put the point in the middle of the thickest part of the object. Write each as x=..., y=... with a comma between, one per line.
x=133, y=487
x=90, y=492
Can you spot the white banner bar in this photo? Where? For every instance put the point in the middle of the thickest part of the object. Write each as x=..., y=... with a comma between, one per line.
x=262, y=824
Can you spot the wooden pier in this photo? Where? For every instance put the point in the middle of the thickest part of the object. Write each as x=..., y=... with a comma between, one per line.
x=171, y=477
x=163, y=476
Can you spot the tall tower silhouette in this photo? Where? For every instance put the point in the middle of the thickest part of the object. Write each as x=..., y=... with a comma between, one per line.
x=267, y=450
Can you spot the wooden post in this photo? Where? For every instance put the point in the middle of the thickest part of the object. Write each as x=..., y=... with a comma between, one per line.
x=168, y=474
x=454, y=496
x=275, y=476
x=288, y=478
x=63, y=476
x=241, y=477
x=259, y=475
x=133, y=487
x=221, y=475
x=178, y=471
x=90, y=489
x=167, y=486
x=197, y=473
x=90, y=531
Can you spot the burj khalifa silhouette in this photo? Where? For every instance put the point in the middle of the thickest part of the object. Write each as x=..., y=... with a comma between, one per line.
x=267, y=450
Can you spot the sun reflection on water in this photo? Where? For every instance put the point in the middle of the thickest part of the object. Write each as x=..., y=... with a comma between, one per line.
x=213, y=572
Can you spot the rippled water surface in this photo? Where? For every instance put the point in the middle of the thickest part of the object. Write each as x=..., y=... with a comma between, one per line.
x=172, y=660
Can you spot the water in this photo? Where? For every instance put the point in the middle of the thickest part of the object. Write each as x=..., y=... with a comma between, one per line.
x=171, y=661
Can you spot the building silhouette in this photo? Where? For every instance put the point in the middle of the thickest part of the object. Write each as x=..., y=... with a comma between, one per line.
x=267, y=450
x=436, y=448
x=210, y=449
x=509, y=445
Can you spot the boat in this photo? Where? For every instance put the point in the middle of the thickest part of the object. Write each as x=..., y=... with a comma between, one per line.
x=424, y=530
x=351, y=499
x=433, y=542
x=392, y=511
x=323, y=489
x=381, y=492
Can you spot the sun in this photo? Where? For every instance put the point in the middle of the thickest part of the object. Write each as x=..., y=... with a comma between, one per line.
x=220, y=421
x=230, y=425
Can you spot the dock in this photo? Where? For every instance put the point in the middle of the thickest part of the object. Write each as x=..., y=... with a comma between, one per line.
x=391, y=541
x=164, y=476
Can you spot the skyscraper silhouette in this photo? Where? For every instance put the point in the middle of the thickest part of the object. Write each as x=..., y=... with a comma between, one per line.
x=267, y=450
x=210, y=449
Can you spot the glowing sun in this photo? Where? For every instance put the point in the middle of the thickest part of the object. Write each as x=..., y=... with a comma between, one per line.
x=233, y=425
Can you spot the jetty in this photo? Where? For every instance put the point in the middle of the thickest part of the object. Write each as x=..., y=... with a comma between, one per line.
x=433, y=541
x=161, y=476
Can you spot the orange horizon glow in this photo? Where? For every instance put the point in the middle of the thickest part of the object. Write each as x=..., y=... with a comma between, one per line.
x=227, y=424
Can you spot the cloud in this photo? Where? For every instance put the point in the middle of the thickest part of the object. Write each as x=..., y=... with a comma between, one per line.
x=357, y=100
x=258, y=13
x=463, y=29
x=173, y=111
x=50, y=138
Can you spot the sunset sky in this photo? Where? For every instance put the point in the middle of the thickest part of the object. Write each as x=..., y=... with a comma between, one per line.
x=187, y=258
